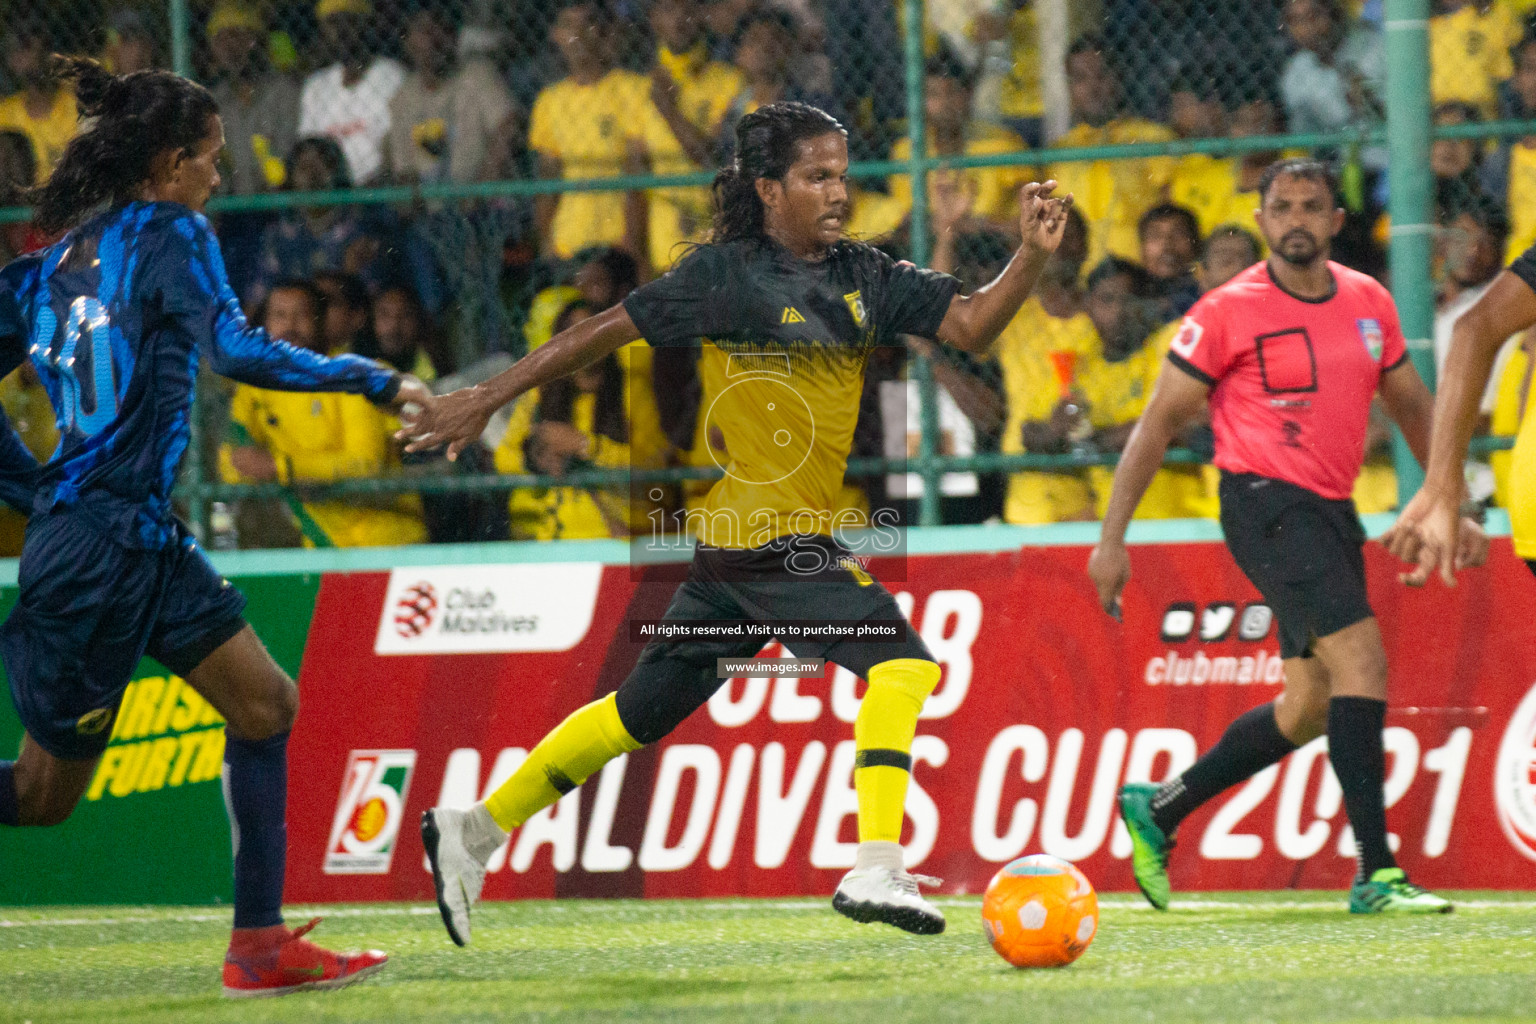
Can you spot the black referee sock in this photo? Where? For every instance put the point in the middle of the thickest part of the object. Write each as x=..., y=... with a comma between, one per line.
x=1360, y=761
x=1251, y=743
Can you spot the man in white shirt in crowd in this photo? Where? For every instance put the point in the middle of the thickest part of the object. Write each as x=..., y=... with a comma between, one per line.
x=1470, y=246
x=452, y=118
x=349, y=99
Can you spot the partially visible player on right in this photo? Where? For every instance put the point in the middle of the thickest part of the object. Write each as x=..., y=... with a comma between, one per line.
x=1426, y=531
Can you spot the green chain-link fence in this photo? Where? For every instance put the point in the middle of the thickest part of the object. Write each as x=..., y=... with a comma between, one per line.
x=458, y=168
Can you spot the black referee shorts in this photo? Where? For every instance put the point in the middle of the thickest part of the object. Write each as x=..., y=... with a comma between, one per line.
x=809, y=578
x=1302, y=551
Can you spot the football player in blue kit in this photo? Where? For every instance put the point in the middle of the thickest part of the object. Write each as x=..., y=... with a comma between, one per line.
x=115, y=318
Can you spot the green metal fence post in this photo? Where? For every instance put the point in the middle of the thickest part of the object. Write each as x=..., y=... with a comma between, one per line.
x=181, y=38
x=1411, y=185
x=917, y=172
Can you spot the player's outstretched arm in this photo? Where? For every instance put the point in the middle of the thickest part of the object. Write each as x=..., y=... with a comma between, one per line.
x=974, y=321
x=192, y=286
x=1176, y=400
x=458, y=418
x=1412, y=407
x=1429, y=528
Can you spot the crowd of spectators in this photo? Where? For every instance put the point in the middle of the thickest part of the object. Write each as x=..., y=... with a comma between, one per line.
x=329, y=96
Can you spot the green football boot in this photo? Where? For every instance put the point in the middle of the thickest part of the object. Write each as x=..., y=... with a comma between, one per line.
x=1389, y=892
x=1149, y=847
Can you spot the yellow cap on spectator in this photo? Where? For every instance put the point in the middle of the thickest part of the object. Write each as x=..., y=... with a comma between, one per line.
x=326, y=8
x=234, y=15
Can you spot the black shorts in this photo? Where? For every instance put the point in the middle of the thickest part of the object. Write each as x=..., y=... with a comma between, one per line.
x=807, y=579
x=1302, y=551
x=89, y=609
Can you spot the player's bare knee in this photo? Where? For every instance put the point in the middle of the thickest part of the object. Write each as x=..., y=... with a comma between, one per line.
x=269, y=714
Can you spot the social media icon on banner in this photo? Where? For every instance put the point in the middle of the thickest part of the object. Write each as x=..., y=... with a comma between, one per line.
x=369, y=811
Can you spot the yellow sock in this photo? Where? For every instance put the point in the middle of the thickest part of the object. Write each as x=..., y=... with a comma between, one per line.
x=574, y=749
x=882, y=737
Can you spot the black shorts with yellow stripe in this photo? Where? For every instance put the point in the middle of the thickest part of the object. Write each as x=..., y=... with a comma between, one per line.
x=807, y=580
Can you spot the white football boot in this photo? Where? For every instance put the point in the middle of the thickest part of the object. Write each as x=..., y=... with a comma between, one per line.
x=458, y=855
x=889, y=895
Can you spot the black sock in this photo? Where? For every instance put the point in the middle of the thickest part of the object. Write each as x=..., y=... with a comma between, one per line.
x=1360, y=762
x=256, y=795
x=1251, y=743
x=10, y=810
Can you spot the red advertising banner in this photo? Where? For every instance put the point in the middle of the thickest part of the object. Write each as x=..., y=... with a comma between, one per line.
x=428, y=685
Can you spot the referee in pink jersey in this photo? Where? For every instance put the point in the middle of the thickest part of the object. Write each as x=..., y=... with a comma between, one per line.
x=1288, y=355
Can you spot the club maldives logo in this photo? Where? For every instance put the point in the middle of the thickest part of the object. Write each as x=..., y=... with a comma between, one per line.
x=1514, y=780
x=369, y=811
x=487, y=609
x=415, y=609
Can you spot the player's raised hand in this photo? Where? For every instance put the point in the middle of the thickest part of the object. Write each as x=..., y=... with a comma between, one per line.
x=1429, y=533
x=1042, y=218
x=1109, y=566
x=454, y=419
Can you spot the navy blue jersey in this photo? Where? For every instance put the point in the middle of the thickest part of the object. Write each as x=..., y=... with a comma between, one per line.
x=115, y=316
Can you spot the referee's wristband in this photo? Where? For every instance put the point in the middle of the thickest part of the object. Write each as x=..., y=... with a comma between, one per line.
x=1474, y=510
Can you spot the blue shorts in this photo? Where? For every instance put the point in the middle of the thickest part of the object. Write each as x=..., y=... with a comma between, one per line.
x=89, y=609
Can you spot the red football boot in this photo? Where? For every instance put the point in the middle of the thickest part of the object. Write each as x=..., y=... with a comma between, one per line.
x=275, y=961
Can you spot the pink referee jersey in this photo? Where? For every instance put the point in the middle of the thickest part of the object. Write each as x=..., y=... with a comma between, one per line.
x=1292, y=379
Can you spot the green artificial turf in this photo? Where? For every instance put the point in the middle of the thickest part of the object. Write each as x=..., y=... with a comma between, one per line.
x=1230, y=957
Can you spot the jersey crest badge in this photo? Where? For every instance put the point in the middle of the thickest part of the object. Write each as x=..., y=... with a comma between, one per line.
x=1370, y=335
x=1188, y=338
x=791, y=315
x=855, y=302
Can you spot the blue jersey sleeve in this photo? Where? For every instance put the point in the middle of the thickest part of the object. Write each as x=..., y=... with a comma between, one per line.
x=194, y=288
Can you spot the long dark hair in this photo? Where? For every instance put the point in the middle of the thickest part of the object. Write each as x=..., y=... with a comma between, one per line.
x=766, y=142
x=135, y=117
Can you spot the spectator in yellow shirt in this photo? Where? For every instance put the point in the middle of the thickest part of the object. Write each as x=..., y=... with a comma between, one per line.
x=1119, y=385
x=766, y=45
x=577, y=422
x=1223, y=190
x=1469, y=51
x=590, y=124
x=1520, y=194
x=952, y=132
x=1050, y=330
x=603, y=281
x=294, y=437
x=1112, y=194
x=691, y=95
x=43, y=110
x=1010, y=41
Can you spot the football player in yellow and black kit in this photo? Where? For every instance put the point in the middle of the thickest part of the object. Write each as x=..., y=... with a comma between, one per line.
x=1507, y=308
x=797, y=309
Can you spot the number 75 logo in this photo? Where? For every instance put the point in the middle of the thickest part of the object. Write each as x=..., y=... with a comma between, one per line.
x=368, y=814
